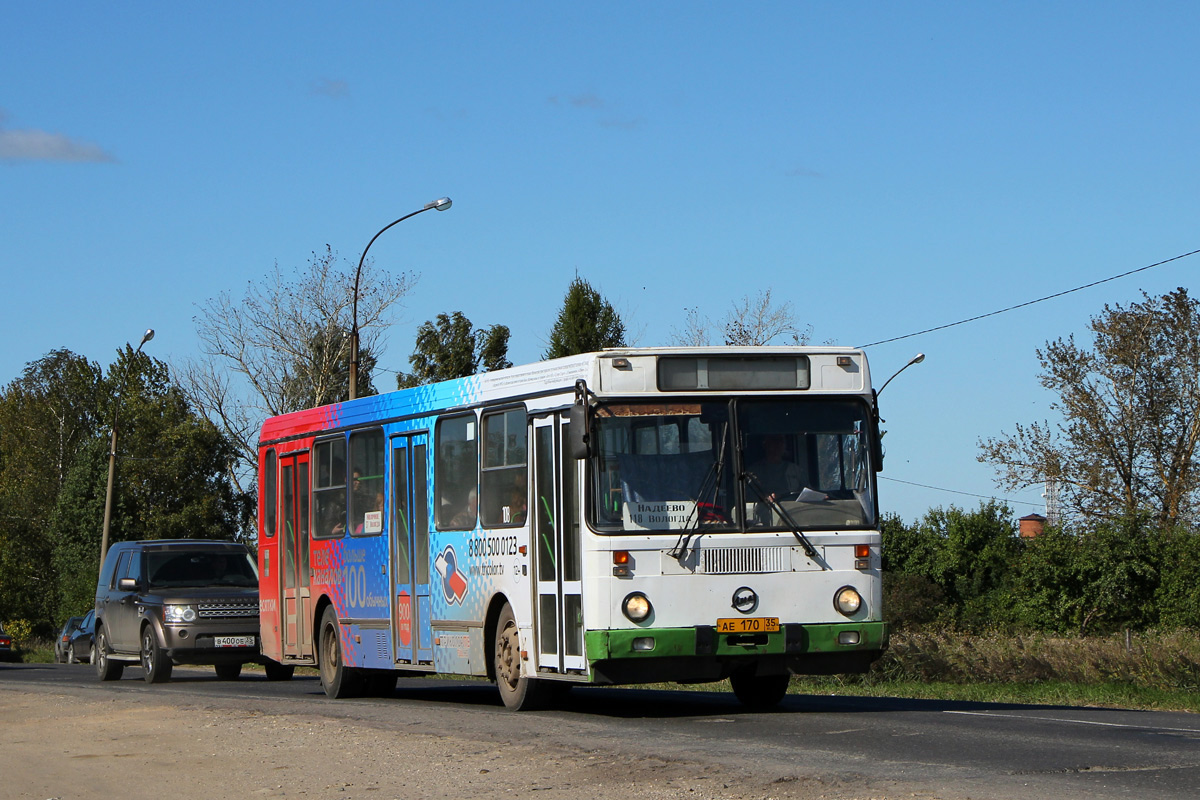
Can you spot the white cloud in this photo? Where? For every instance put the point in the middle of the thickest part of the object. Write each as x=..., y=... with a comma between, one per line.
x=802, y=172
x=35, y=145
x=330, y=87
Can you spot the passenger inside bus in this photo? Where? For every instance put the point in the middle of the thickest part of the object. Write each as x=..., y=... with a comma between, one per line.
x=777, y=476
x=518, y=507
x=466, y=517
x=333, y=513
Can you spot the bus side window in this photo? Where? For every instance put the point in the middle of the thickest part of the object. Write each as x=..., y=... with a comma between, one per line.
x=366, y=482
x=456, y=467
x=329, y=488
x=504, y=480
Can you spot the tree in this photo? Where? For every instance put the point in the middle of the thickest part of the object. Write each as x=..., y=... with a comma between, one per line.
x=450, y=348
x=1101, y=578
x=285, y=346
x=171, y=476
x=320, y=375
x=586, y=323
x=966, y=555
x=750, y=322
x=1130, y=408
x=48, y=416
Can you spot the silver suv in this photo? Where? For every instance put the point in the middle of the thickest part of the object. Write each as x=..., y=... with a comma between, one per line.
x=167, y=602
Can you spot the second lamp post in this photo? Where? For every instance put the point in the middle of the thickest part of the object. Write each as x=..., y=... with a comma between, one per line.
x=441, y=204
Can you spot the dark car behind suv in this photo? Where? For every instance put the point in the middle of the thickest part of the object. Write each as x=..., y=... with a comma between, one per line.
x=167, y=602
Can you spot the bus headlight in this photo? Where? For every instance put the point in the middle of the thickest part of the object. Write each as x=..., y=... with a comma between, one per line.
x=178, y=614
x=636, y=607
x=847, y=601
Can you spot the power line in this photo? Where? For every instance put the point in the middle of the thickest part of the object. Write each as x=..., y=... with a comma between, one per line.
x=955, y=491
x=1031, y=302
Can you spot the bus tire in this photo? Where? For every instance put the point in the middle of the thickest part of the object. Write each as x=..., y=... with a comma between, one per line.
x=228, y=672
x=278, y=672
x=759, y=692
x=338, y=680
x=106, y=668
x=519, y=693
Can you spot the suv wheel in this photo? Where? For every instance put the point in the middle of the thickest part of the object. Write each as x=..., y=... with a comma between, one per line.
x=154, y=662
x=106, y=668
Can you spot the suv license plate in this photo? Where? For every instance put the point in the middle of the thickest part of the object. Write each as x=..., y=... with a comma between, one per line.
x=234, y=641
x=748, y=625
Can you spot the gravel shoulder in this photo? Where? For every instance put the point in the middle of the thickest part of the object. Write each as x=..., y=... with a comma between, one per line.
x=57, y=744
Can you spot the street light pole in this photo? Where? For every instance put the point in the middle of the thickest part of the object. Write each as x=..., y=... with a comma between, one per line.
x=917, y=359
x=441, y=204
x=112, y=450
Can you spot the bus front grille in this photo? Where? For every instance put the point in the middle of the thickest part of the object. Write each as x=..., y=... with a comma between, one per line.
x=735, y=560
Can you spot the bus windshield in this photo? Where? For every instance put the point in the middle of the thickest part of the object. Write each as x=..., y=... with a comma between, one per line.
x=745, y=464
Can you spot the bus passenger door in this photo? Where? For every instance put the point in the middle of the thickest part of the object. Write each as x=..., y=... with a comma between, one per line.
x=559, y=603
x=411, y=631
x=295, y=575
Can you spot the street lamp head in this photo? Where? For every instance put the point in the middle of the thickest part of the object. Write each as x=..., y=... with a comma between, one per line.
x=917, y=359
x=148, y=336
x=441, y=204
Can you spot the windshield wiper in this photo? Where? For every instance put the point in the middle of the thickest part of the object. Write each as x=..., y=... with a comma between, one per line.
x=751, y=480
x=711, y=483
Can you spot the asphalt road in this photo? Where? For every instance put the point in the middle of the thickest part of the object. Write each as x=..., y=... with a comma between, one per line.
x=947, y=749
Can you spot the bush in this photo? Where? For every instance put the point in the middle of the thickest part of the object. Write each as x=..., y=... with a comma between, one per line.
x=911, y=601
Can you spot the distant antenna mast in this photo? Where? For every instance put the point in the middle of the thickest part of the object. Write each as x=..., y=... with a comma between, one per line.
x=1051, y=496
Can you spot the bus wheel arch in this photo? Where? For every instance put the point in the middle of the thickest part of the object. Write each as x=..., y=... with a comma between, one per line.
x=498, y=604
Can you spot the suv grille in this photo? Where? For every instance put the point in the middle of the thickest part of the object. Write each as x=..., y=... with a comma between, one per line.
x=229, y=610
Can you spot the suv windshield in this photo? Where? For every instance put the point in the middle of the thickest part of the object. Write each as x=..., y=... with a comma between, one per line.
x=172, y=568
x=749, y=464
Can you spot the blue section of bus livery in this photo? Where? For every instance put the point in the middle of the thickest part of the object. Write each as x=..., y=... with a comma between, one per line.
x=356, y=571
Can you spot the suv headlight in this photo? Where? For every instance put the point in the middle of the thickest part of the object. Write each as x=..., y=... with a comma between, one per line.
x=179, y=614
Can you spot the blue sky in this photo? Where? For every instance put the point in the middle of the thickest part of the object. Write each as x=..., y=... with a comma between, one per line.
x=884, y=167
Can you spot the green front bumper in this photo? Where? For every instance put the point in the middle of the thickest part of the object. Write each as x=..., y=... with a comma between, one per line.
x=792, y=640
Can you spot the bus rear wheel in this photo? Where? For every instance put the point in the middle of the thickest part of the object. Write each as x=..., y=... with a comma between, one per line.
x=278, y=672
x=759, y=692
x=518, y=692
x=338, y=680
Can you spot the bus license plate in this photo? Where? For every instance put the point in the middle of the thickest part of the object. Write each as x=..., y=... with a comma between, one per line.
x=748, y=625
x=234, y=641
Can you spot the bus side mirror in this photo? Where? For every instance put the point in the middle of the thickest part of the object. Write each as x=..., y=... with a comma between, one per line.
x=579, y=433
x=877, y=438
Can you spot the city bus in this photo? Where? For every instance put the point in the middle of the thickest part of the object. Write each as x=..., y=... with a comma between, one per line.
x=628, y=516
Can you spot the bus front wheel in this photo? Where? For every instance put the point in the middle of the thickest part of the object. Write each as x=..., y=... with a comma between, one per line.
x=338, y=680
x=518, y=692
x=759, y=692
